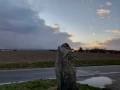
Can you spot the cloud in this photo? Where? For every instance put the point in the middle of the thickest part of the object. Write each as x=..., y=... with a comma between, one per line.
x=56, y=27
x=89, y=8
x=113, y=31
x=101, y=5
x=112, y=44
x=108, y=4
x=92, y=27
x=110, y=17
x=117, y=36
x=82, y=0
x=90, y=1
x=102, y=12
x=22, y=28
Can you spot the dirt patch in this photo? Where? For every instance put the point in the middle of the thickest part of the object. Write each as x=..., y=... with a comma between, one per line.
x=21, y=56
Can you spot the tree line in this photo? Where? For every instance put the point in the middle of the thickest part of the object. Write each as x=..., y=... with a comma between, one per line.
x=98, y=50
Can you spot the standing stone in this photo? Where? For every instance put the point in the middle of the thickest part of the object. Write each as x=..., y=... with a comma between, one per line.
x=65, y=69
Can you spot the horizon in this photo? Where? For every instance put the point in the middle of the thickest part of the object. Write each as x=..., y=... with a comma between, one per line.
x=57, y=49
x=45, y=24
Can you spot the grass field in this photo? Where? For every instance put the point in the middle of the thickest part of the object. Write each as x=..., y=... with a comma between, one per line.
x=41, y=85
x=51, y=63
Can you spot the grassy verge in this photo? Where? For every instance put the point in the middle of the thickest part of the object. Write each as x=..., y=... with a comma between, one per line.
x=48, y=64
x=41, y=85
x=98, y=62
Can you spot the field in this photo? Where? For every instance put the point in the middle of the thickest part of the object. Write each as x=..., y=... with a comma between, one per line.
x=46, y=59
x=24, y=56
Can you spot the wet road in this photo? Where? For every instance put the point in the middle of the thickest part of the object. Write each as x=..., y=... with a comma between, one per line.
x=10, y=76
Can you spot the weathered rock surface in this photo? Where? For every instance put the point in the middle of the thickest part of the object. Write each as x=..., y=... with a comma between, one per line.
x=65, y=69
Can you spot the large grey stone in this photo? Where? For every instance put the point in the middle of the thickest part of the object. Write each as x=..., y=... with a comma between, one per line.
x=65, y=68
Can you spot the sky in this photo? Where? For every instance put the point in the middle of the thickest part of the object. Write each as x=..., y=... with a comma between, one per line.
x=46, y=24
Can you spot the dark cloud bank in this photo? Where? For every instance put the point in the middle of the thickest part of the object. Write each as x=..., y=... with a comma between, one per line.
x=21, y=28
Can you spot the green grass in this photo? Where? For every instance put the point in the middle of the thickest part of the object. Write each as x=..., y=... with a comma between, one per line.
x=41, y=85
x=48, y=64
x=97, y=62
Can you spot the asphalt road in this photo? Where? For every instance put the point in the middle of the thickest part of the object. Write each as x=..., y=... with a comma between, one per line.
x=11, y=76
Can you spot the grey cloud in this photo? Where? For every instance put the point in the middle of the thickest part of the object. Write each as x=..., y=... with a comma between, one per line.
x=17, y=19
x=117, y=36
x=113, y=44
x=21, y=28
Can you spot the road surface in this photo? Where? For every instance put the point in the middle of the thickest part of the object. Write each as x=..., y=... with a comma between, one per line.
x=11, y=76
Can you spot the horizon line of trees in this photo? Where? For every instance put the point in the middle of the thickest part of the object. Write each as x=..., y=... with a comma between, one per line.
x=97, y=50
x=93, y=50
x=87, y=50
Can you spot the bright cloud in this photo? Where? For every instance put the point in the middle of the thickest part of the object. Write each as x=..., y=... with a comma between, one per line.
x=113, y=31
x=108, y=4
x=102, y=12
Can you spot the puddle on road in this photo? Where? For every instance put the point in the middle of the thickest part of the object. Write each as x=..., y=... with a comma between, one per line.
x=99, y=82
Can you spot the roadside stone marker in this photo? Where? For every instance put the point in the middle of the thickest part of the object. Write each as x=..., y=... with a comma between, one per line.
x=65, y=69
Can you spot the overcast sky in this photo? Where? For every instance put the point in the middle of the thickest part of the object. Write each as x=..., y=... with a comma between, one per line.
x=45, y=24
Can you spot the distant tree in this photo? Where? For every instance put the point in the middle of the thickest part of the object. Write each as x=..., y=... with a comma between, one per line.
x=100, y=50
x=87, y=50
x=80, y=49
x=15, y=50
x=53, y=50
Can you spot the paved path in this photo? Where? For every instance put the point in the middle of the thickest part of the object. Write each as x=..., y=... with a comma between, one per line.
x=8, y=76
